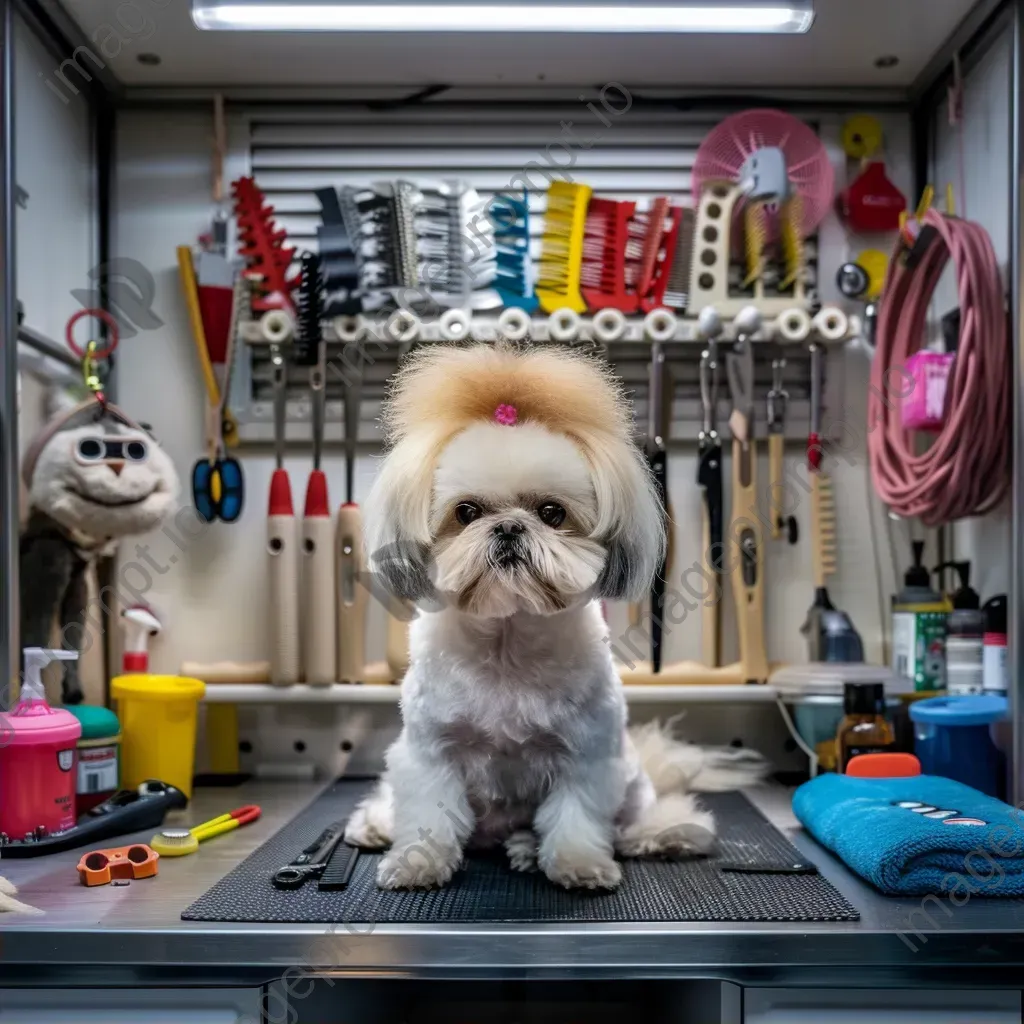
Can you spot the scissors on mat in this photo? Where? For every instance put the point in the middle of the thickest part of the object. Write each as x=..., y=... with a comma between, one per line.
x=313, y=860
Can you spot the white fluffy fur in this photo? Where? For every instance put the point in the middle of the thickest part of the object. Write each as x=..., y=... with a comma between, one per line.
x=514, y=720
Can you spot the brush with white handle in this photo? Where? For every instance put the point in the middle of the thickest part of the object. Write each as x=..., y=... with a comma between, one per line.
x=319, y=645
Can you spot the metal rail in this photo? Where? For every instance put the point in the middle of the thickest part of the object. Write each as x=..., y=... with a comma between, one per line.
x=9, y=580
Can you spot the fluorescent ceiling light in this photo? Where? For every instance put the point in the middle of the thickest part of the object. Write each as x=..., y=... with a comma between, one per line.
x=327, y=16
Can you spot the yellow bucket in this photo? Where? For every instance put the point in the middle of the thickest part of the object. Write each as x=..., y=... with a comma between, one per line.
x=158, y=720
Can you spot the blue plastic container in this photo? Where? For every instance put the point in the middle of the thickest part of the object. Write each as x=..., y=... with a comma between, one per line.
x=953, y=737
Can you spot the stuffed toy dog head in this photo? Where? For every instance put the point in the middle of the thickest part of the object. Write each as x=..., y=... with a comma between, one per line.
x=101, y=476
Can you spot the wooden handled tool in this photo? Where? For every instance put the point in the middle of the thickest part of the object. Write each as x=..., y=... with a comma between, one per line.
x=746, y=562
x=227, y=671
x=399, y=614
x=352, y=592
x=319, y=615
x=709, y=479
x=282, y=546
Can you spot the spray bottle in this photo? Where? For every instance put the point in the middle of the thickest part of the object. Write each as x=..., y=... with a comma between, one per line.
x=38, y=757
x=919, y=628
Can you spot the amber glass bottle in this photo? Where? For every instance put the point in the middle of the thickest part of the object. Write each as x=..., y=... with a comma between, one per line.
x=864, y=729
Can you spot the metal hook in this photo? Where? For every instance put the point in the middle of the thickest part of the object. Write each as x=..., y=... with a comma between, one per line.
x=709, y=389
x=778, y=397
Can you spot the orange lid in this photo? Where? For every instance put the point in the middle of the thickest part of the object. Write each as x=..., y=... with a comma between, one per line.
x=883, y=766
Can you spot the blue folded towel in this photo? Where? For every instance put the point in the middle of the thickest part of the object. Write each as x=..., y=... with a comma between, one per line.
x=917, y=836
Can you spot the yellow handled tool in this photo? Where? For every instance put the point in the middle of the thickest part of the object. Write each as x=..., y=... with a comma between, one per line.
x=177, y=842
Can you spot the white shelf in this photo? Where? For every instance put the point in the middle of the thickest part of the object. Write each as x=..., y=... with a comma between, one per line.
x=484, y=327
x=264, y=693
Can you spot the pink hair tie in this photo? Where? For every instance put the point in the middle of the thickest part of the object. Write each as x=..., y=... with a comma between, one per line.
x=506, y=415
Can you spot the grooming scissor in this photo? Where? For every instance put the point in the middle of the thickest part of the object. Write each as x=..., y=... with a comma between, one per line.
x=313, y=860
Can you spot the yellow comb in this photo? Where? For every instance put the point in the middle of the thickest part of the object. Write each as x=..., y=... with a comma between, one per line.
x=755, y=232
x=561, y=257
x=792, y=243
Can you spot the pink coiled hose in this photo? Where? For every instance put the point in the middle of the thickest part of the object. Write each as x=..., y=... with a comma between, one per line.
x=966, y=470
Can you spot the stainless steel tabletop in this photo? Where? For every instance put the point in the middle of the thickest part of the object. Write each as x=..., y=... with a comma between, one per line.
x=134, y=934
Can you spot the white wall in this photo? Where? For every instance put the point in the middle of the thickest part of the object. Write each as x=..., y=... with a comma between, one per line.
x=983, y=196
x=214, y=598
x=56, y=232
x=54, y=163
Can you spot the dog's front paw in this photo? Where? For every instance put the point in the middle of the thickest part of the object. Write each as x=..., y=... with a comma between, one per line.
x=521, y=848
x=416, y=867
x=578, y=870
x=368, y=829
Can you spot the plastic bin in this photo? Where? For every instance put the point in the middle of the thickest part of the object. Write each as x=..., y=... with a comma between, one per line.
x=158, y=725
x=953, y=737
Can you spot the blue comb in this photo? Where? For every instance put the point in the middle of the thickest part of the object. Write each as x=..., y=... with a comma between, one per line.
x=514, y=281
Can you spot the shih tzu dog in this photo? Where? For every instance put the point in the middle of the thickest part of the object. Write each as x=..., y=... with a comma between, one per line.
x=511, y=500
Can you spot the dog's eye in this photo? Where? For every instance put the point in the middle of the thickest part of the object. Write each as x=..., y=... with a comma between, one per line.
x=468, y=512
x=551, y=514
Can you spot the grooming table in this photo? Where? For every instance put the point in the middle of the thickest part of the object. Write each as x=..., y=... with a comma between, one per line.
x=488, y=891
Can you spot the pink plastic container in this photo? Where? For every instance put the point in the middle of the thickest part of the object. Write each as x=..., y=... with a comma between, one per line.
x=38, y=762
x=925, y=407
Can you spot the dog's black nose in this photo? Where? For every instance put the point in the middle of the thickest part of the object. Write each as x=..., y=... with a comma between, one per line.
x=510, y=529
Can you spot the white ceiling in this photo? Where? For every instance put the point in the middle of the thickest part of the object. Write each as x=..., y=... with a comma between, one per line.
x=840, y=50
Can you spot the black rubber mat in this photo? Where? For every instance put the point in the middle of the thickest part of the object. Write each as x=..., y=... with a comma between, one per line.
x=488, y=891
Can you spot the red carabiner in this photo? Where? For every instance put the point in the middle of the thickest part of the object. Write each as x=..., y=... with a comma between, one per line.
x=112, y=333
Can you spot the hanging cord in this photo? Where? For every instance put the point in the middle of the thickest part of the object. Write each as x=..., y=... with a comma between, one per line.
x=965, y=472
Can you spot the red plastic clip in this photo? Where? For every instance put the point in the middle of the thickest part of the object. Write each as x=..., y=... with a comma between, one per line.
x=653, y=295
x=814, y=451
x=261, y=245
x=603, y=273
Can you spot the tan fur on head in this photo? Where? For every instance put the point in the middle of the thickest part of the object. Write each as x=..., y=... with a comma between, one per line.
x=442, y=390
x=448, y=388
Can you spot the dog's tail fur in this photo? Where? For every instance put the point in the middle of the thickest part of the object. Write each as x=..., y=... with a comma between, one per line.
x=674, y=766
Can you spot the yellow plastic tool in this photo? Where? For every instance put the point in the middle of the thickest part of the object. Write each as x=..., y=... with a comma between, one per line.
x=875, y=263
x=755, y=235
x=190, y=286
x=862, y=137
x=558, y=278
x=792, y=244
x=178, y=842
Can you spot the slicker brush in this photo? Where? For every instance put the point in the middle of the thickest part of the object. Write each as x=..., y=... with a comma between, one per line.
x=317, y=594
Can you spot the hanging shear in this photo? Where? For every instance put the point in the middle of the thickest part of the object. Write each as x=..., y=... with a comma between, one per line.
x=218, y=487
x=658, y=423
x=709, y=479
x=778, y=399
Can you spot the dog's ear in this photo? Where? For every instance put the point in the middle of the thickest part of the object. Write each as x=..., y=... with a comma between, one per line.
x=397, y=523
x=631, y=522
